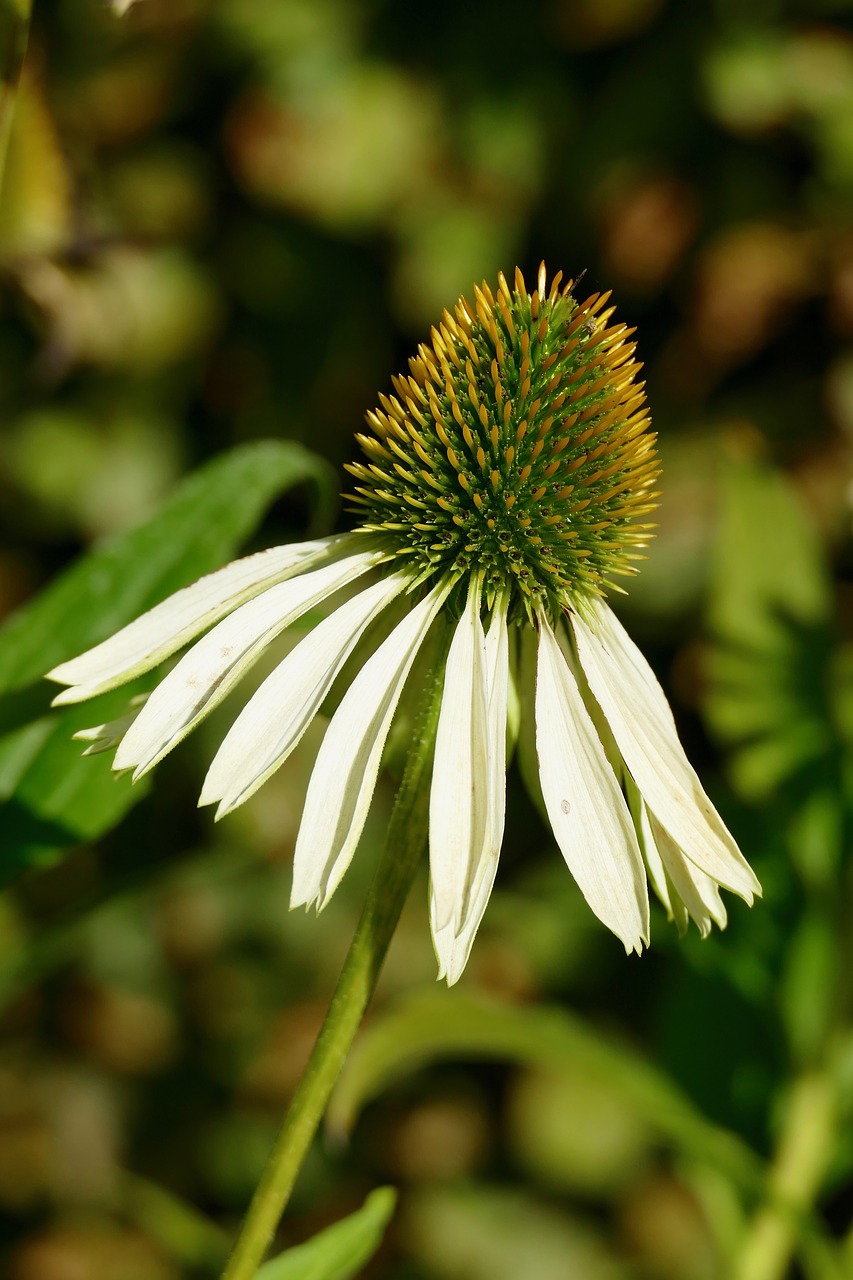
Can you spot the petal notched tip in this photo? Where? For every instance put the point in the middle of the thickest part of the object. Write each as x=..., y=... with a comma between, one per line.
x=169, y=625
x=639, y=717
x=347, y=765
x=586, y=808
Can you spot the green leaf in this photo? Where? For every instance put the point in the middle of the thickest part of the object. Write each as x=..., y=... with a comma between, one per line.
x=55, y=798
x=430, y=1027
x=341, y=1250
x=209, y=517
x=769, y=610
x=809, y=985
x=483, y=1231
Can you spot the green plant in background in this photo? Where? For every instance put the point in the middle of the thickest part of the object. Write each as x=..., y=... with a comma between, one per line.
x=506, y=479
x=223, y=220
x=14, y=27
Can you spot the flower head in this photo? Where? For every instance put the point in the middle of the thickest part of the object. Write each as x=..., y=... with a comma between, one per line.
x=506, y=483
x=517, y=450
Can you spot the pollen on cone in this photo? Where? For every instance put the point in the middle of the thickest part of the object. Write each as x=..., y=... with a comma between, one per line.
x=519, y=444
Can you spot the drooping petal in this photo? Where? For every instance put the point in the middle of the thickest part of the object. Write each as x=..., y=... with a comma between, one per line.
x=586, y=808
x=528, y=761
x=638, y=713
x=160, y=632
x=675, y=909
x=453, y=942
x=460, y=809
x=105, y=737
x=453, y=946
x=215, y=663
x=497, y=676
x=347, y=765
x=697, y=893
x=277, y=715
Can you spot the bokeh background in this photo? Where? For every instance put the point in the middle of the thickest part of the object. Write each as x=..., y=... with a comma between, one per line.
x=232, y=220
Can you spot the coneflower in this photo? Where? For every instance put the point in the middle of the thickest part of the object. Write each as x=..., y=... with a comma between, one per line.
x=507, y=482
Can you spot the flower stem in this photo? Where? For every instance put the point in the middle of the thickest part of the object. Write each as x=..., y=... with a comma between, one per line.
x=802, y=1155
x=404, y=847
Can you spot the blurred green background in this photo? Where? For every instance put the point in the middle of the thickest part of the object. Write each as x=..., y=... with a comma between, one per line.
x=231, y=220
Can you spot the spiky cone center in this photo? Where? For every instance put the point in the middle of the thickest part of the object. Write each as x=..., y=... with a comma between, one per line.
x=517, y=448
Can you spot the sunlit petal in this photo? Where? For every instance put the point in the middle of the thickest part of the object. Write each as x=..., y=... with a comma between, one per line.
x=696, y=891
x=107, y=736
x=453, y=946
x=460, y=809
x=453, y=942
x=275, y=718
x=497, y=677
x=347, y=764
x=638, y=713
x=170, y=625
x=213, y=666
x=587, y=811
x=654, y=866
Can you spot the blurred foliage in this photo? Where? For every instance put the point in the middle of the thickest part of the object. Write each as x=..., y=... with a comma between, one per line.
x=51, y=802
x=341, y=1250
x=225, y=221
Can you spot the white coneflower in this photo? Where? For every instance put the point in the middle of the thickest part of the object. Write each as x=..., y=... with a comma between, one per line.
x=506, y=481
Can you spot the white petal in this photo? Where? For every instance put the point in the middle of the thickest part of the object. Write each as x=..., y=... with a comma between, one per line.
x=176, y=620
x=638, y=713
x=453, y=942
x=460, y=809
x=347, y=765
x=654, y=866
x=104, y=737
x=528, y=762
x=698, y=892
x=586, y=808
x=452, y=946
x=276, y=716
x=497, y=676
x=212, y=667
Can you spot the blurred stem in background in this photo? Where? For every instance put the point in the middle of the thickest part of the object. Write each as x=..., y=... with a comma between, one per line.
x=803, y=1153
x=14, y=31
x=401, y=856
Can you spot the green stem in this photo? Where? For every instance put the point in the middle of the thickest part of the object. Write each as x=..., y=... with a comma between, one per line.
x=401, y=856
x=802, y=1154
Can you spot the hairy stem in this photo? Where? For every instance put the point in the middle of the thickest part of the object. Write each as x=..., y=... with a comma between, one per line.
x=403, y=850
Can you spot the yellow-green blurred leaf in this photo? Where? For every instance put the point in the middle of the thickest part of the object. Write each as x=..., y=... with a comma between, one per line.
x=576, y=1132
x=809, y=986
x=769, y=612
x=55, y=798
x=432, y=1026
x=339, y=1252
x=35, y=199
x=125, y=308
x=499, y=1233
